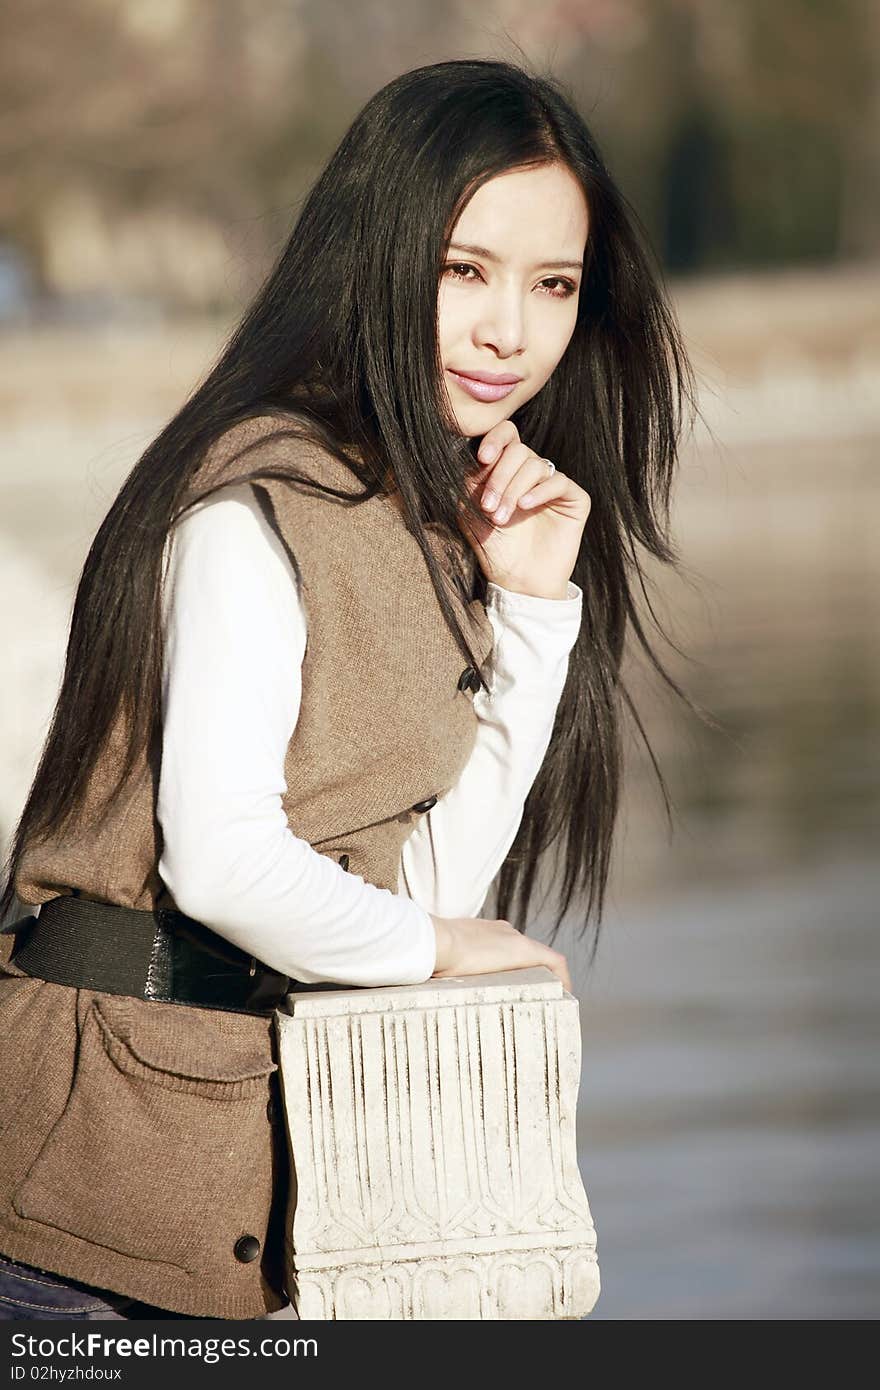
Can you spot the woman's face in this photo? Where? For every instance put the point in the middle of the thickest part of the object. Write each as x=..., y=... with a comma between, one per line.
x=509, y=290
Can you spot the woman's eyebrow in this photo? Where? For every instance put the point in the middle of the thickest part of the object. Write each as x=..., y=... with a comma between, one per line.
x=490, y=256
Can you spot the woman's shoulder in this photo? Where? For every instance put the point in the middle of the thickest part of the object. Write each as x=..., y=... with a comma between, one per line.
x=272, y=438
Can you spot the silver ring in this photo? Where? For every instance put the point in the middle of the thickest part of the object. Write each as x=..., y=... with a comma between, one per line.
x=551, y=466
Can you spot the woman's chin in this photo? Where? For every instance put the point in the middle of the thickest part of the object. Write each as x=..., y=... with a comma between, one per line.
x=475, y=423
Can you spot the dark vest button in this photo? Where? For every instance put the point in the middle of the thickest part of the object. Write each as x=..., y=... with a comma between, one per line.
x=246, y=1248
x=425, y=805
x=467, y=678
x=343, y=859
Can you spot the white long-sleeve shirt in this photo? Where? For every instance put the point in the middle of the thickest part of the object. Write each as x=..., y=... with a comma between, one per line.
x=235, y=634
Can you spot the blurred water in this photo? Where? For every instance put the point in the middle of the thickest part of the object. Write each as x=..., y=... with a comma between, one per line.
x=730, y=1101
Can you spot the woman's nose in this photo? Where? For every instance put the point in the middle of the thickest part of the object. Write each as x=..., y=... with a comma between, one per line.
x=502, y=326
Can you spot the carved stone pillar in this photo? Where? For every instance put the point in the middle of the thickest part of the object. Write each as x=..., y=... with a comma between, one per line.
x=433, y=1153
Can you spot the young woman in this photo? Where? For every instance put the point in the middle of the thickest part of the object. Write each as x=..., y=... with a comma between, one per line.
x=343, y=652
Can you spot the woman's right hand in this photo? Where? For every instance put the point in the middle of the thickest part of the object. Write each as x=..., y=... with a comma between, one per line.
x=482, y=945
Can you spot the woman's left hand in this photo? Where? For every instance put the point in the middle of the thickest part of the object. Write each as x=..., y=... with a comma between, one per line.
x=529, y=541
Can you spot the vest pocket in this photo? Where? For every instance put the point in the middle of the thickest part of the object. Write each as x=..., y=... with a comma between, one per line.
x=164, y=1166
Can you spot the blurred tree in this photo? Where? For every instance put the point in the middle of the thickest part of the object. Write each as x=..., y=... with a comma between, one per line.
x=743, y=133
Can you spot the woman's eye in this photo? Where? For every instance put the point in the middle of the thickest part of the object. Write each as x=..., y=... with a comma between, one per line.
x=457, y=266
x=566, y=287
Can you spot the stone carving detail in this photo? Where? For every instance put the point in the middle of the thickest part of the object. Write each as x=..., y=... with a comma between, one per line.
x=433, y=1151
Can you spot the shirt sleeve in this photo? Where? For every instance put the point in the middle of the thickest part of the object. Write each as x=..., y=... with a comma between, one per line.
x=235, y=629
x=449, y=862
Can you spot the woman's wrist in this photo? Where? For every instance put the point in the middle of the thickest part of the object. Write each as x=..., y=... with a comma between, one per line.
x=444, y=936
x=539, y=593
x=567, y=593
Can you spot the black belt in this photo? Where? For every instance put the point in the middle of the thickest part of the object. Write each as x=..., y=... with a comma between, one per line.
x=161, y=955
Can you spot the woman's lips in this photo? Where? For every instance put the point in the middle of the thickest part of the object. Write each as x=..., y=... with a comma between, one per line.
x=483, y=390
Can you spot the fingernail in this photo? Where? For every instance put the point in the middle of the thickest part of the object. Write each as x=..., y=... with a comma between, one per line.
x=488, y=452
x=502, y=514
x=490, y=500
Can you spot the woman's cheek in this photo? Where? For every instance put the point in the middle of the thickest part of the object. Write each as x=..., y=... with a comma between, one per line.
x=451, y=319
x=557, y=359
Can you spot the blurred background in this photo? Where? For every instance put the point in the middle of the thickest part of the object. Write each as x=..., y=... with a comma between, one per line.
x=153, y=156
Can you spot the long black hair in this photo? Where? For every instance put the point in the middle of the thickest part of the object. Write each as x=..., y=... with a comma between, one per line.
x=343, y=333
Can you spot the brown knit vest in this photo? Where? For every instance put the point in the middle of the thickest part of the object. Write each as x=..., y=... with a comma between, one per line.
x=136, y=1143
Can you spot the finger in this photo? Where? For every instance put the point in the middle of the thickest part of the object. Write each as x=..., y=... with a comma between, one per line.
x=543, y=491
x=496, y=439
x=562, y=971
x=499, y=477
x=527, y=477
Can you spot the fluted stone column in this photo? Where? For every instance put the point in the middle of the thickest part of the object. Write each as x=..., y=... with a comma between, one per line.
x=433, y=1151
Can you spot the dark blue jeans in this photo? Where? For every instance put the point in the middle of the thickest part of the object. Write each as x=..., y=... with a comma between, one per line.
x=27, y=1292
